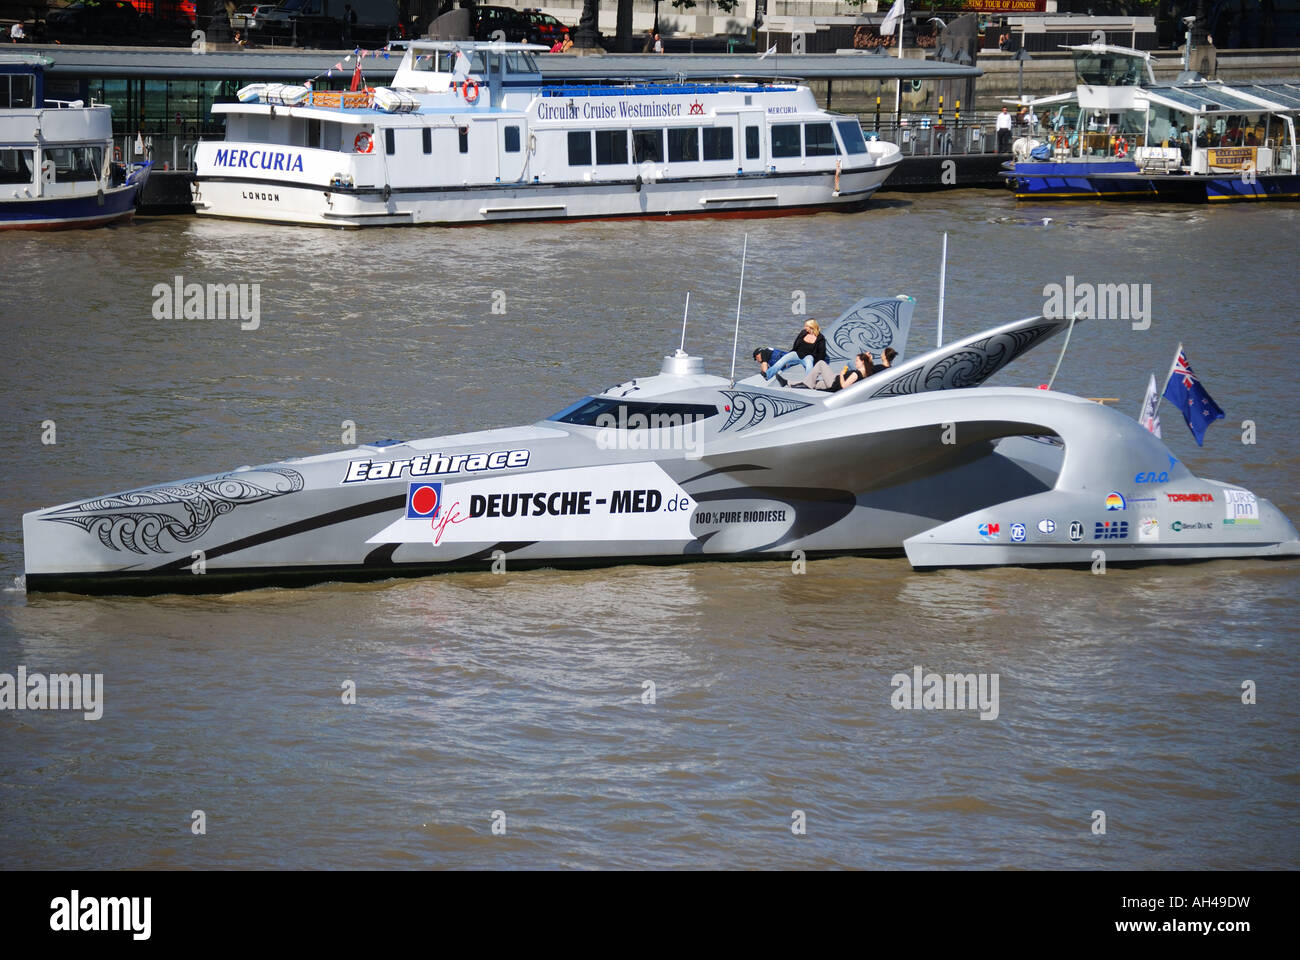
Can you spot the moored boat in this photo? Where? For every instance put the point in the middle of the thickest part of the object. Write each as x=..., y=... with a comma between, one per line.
x=56, y=157
x=470, y=133
x=1122, y=136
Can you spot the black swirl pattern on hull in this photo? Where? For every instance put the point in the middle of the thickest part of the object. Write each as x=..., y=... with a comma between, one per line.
x=138, y=519
x=754, y=408
x=871, y=325
x=967, y=366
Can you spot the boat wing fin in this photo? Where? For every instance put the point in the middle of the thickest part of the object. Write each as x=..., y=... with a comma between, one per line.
x=963, y=363
x=872, y=323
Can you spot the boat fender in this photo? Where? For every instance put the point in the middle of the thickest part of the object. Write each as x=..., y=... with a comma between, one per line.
x=532, y=143
x=639, y=181
x=364, y=143
x=99, y=196
x=117, y=154
x=469, y=94
x=388, y=192
x=1121, y=147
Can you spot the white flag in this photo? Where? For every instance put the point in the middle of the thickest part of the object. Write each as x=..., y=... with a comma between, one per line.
x=1149, y=418
x=892, y=18
x=770, y=50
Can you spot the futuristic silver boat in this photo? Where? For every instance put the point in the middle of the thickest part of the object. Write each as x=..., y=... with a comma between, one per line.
x=918, y=459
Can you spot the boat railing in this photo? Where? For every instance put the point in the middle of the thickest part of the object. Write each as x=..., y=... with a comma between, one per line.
x=929, y=135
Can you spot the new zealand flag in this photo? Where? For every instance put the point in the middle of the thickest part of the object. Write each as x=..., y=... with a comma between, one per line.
x=1187, y=393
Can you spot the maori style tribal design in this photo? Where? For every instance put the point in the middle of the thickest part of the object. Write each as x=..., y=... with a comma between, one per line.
x=968, y=366
x=870, y=325
x=137, y=519
x=754, y=408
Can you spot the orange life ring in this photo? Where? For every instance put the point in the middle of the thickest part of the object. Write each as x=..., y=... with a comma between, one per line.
x=364, y=143
x=470, y=96
x=1121, y=147
x=1062, y=142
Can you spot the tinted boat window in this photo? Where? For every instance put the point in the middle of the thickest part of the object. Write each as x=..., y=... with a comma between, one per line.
x=751, y=143
x=611, y=146
x=648, y=146
x=16, y=166
x=632, y=415
x=785, y=139
x=819, y=140
x=717, y=143
x=512, y=139
x=580, y=148
x=851, y=134
x=684, y=145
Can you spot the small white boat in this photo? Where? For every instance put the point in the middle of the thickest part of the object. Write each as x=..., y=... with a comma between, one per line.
x=56, y=157
x=469, y=133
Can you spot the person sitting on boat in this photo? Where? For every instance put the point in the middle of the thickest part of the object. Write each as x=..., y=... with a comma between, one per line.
x=887, y=358
x=765, y=357
x=809, y=348
x=823, y=378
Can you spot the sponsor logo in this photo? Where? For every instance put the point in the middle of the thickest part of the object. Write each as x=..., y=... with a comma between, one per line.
x=611, y=502
x=258, y=159
x=434, y=465
x=1017, y=533
x=989, y=531
x=1178, y=526
x=1190, y=497
x=1149, y=529
x=1152, y=477
x=1240, y=508
x=1076, y=530
x=1115, y=501
x=423, y=501
x=1110, y=530
x=1046, y=526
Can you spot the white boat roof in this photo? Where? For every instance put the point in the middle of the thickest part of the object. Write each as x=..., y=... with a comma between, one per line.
x=1100, y=48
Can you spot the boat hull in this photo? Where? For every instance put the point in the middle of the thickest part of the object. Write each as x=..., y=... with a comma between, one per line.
x=746, y=195
x=69, y=213
x=1103, y=181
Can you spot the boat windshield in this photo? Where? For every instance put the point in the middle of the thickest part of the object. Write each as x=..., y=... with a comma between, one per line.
x=1109, y=69
x=632, y=415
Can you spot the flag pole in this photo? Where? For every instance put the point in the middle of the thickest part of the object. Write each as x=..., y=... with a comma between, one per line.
x=1172, y=367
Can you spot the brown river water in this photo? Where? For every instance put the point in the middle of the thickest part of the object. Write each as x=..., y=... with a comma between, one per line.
x=517, y=700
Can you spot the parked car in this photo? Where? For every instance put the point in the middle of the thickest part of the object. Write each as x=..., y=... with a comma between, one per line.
x=545, y=28
x=501, y=23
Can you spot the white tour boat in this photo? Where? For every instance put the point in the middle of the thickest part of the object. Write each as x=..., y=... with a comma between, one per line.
x=469, y=133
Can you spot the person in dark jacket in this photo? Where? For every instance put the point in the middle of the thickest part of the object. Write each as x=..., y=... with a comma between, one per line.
x=809, y=348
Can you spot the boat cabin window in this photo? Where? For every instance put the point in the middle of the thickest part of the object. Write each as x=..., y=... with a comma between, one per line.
x=851, y=134
x=580, y=148
x=647, y=146
x=444, y=61
x=684, y=145
x=632, y=415
x=464, y=139
x=15, y=166
x=73, y=164
x=717, y=143
x=611, y=147
x=426, y=140
x=752, y=151
x=15, y=92
x=819, y=140
x=785, y=139
x=331, y=136
x=390, y=141
x=512, y=139
x=520, y=62
x=313, y=133
x=1109, y=69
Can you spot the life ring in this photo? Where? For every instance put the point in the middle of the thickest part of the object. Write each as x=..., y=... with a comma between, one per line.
x=470, y=95
x=1121, y=147
x=1062, y=142
x=364, y=143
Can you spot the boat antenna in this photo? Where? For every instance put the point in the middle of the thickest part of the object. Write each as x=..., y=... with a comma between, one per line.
x=735, y=339
x=682, y=349
x=943, y=272
x=1068, y=330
